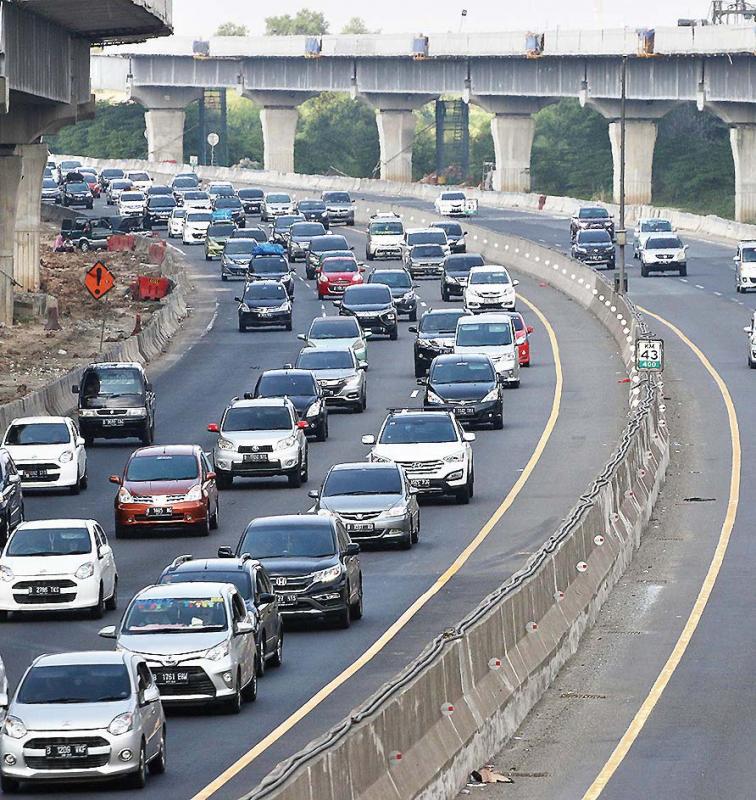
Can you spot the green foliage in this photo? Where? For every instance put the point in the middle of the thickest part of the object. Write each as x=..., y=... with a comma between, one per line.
x=304, y=23
x=424, y=146
x=356, y=25
x=232, y=29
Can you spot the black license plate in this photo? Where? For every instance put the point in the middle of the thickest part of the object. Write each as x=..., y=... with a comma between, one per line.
x=64, y=751
x=358, y=527
x=174, y=678
x=420, y=482
x=35, y=473
x=113, y=423
x=464, y=410
x=44, y=590
x=255, y=457
x=288, y=599
x=328, y=392
x=160, y=511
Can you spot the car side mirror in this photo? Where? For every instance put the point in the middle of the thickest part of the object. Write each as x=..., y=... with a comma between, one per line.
x=337, y=303
x=302, y=337
x=149, y=695
x=237, y=299
x=530, y=329
x=412, y=329
x=352, y=549
x=421, y=381
x=515, y=282
x=352, y=247
x=243, y=628
x=266, y=597
x=80, y=441
x=467, y=436
x=367, y=334
x=368, y=439
x=314, y=494
x=213, y=427
x=362, y=365
x=115, y=479
x=734, y=258
x=108, y=632
x=75, y=388
x=103, y=550
x=211, y=476
x=747, y=329
x=225, y=552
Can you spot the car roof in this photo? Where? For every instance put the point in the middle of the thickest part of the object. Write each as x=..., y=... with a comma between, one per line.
x=489, y=316
x=82, y=657
x=168, y=450
x=212, y=565
x=37, y=420
x=747, y=243
x=41, y=524
x=116, y=365
x=293, y=520
x=295, y=372
x=369, y=465
x=455, y=358
x=419, y=412
x=489, y=268
x=266, y=281
x=188, y=589
x=420, y=230
x=260, y=402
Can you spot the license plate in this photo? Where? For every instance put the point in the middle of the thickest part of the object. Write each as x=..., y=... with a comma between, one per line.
x=172, y=678
x=161, y=511
x=112, y=423
x=44, y=590
x=358, y=527
x=288, y=599
x=35, y=473
x=420, y=482
x=66, y=751
x=464, y=410
x=255, y=457
x=328, y=392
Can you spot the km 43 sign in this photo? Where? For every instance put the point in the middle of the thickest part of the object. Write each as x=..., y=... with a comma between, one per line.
x=649, y=355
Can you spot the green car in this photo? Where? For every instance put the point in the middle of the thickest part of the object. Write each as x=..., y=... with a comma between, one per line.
x=215, y=241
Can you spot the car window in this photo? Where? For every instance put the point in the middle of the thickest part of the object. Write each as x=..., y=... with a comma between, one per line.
x=748, y=254
x=286, y=384
x=238, y=607
x=363, y=480
x=278, y=198
x=38, y=433
x=334, y=328
x=386, y=228
x=162, y=467
x=257, y=418
x=594, y=237
x=663, y=243
x=305, y=539
x=461, y=372
x=75, y=683
x=315, y=358
x=418, y=428
x=144, y=676
x=52, y=541
x=148, y=615
x=265, y=291
x=484, y=334
x=334, y=266
x=395, y=278
x=375, y=293
x=489, y=276
x=593, y=213
x=442, y=322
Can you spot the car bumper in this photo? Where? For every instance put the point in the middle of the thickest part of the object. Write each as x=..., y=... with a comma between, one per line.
x=315, y=601
x=386, y=251
x=234, y=270
x=252, y=208
x=142, y=515
x=340, y=215
x=207, y=681
x=595, y=260
x=62, y=475
x=277, y=462
x=253, y=318
x=16, y=596
x=380, y=529
x=747, y=281
x=420, y=270
x=481, y=307
x=406, y=306
x=447, y=483
x=341, y=395
x=377, y=324
x=111, y=427
x=662, y=265
x=471, y=413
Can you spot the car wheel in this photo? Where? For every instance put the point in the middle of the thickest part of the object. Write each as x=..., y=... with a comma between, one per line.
x=84, y=482
x=249, y=692
x=84, y=245
x=207, y=257
x=224, y=480
x=111, y=604
x=419, y=370
x=368, y=255
x=138, y=779
x=233, y=704
x=203, y=528
x=75, y=488
x=463, y=495
x=97, y=611
x=444, y=295
x=357, y=607
x=277, y=658
x=322, y=433
x=242, y=327
x=306, y=467
x=644, y=270
x=343, y=619
x=416, y=530
x=498, y=422
x=146, y=435
x=122, y=531
x=394, y=334
x=288, y=325
x=260, y=658
x=295, y=477
x=406, y=542
x=160, y=762
x=684, y=271
x=413, y=315
x=215, y=516
x=9, y=785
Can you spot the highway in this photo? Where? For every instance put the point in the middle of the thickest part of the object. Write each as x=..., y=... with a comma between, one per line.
x=581, y=423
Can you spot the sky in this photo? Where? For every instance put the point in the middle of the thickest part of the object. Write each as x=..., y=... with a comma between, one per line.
x=191, y=17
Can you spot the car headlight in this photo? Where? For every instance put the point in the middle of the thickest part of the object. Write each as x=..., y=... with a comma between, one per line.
x=327, y=575
x=136, y=412
x=217, y=653
x=14, y=727
x=65, y=456
x=454, y=457
x=225, y=444
x=450, y=279
x=322, y=279
x=353, y=382
x=284, y=444
x=121, y=724
x=433, y=397
x=314, y=409
x=284, y=306
x=491, y=396
x=379, y=459
x=86, y=570
x=6, y=574
x=399, y=510
x=124, y=495
x=581, y=250
x=87, y=412
x=244, y=308
x=408, y=295
x=194, y=494
x=681, y=255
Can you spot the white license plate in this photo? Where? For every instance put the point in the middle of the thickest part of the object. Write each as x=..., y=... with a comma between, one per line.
x=44, y=590
x=360, y=527
x=464, y=410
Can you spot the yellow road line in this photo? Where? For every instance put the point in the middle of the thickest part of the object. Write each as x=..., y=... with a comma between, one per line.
x=644, y=712
x=422, y=600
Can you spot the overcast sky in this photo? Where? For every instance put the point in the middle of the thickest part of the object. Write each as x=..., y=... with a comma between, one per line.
x=191, y=17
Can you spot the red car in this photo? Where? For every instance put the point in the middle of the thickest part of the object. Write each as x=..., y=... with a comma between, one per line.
x=92, y=182
x=170, y=487
x=522, y=338
x=336, y=273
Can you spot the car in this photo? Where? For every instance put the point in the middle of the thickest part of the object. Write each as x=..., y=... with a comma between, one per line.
x=264, y=303
x=197, y=641
x=182, y=184
x=335, y=273
x=253, y=584
x=58, y=565
x=591, y=218
x=454, y=204
x=159, y=190
x=456, y=272
x=431, y=447
x=158, y=210
x=115, y=400
x=198, y=200
x=88, y=233
x=116, y=187
x=305, y=393
x=415, y=236
x=76, y=193
x=176, y=222
x=750, y=331
x=455, y=236
x=320, y=246
x=745, y=266
x=254, y=232
x=341, y=376
x=594, y=248
x=298, y=241
x=490, y=288
x=468, y=384
x=252, y=200
x=434, y=335
x=313, y=565
x=340, y=207
x=229, y=208
x=492, y=335
x=48, y=452
x=67, y=166
x=236, y=257
x=90, y=178
x=385, y=236
x=109, y=174
x=195, y=227
x=260, y=438
x=425, y=260
x=218, y=233
x=275, y=204
x=279, y=230
x=646, y=226
x=664, y=252
x=11, y=496
x=3, y=690
x=272, y=268
x=374, y=307
x=314, y=211
x=374, y=501
x=84, y=716
x=522, y=337
x=402, y=289
x=166, y=488
x=141, y=180
x=337, y=332
x=218, y=189
x=50, y=191
x=131, y=204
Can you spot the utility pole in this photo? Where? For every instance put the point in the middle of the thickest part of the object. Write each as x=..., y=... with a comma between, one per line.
x=621, y=234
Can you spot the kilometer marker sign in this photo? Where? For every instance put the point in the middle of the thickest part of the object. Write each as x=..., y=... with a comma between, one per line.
x=649, y=355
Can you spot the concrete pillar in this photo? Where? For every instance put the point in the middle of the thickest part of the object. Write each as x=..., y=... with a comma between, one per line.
x=26, y=250
x=640, y=139
x=10, y=178
x=279, y=128
x=396, y=135
x=743, y=143
x=165, y=134
x=513, y=141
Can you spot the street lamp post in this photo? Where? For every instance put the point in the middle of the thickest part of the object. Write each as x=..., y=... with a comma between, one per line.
x=621, y=234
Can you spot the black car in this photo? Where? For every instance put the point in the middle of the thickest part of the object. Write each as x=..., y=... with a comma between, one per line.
x=158, y=209
x=402, y=289
x=234, y=205
x=87, y=233
x=253, y=584
x=594, y=248
x=110, y=174
x=314, y=211
x=313, y=565
x=455, y=235
x=300, y=235
x=591, y=218
x=159, y=189
x=183, y=184
x=373, y=306
x=236, y=257
x=11, y=496
x=254, y=232
x=301, y=387
x=279, y=230
x=76, y=193
x=264, y=303
x=276, y=268
x=252, y=200
x=467, y=384
x=456, y=272
x=319, y=246
x=435, y=335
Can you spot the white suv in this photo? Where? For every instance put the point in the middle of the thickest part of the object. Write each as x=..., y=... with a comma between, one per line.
x=140, y=180
x=48, y=452
x=490, y=288
x=663, y=252
x=431, y=447
x=131, y=204
x=492, y=335
x=176, y=222
x=196, y=223
x=385, y=236
x=260, y=438
x=745, y=266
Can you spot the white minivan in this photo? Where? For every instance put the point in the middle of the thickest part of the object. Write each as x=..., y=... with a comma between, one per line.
x=492, y=335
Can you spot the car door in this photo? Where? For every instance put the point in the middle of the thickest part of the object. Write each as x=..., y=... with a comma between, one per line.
x=78, y=445
x=352, y=563
x=106, y=561
x=209, y=484
x=265, y=612
x=149, y=710
x=242, y=645
x=10, y=488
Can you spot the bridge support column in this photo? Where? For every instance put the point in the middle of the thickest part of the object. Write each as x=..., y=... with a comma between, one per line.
x=11, y=167
x=164, y=119
x=26, y=250
x=396, y=135
x=279, y=128
x=741, y=117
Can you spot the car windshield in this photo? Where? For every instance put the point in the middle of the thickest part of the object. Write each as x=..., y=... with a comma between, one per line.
x=251, y=194
x=184, y=183
x=453, y=196
x=363, y=480
x=359, y=295
x=75, y=683
x=239, y=247
x=139, y=176
x=489, y=276
x=485, y=334
x=656, y=226
x=175, y=615
x=132, y=197
x=217, y=231
x=69, y=165
x=286, y=385
x=38, y=433
x=748, y=254
x=396, y=278
x=196, y=196
x=285, y=222
x=78, y=187
x=594, y=237
x=437, y=237
x=386, y=228
x=179, y=213
x=450, y=228
x=199, y=216
x=444, y=322
x=324, y=243
x=49, y=542
x=120, y=184
x=315, y=358
x=305, y=539
x=334, y=328
x=663, y=243
x=270, y=265
x=228, y=202
x=311, y=205
x=49, y=183
x=337, y=197
x=257, y=418
x=461, y=372
x=219, y=190
x=159, y=190
x=115, y=382
x=272, y=291
x=258, y=234
x=336, y=265
x=593, y=213
x=162, y=467
x=418, y=429
x=307, y=229
x=162, y=201
x=112, y=173
x=278, y=198
x=458, y=264
x=239, y=578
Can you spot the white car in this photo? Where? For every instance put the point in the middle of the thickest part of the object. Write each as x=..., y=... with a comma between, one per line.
x=220, y=188
x=490, y=288
x=197, y=200
x=176, y=222
x=116, y=188
x=196, y=223
x=455, y=204
x=131, y=204
x=276, y=204
x=56, y=565
x=645, y=227
x=751, y=341
x=49, y=452
x=432, y=448
x=385, y=236
x=663, y=252
x=492, y=335
x=3, y=690
x=745, y=266
x=141, y=180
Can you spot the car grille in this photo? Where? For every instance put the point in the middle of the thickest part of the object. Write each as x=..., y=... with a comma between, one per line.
x=289, y=583
x=361, y=516
x=256, y=448
x=66, y=595
x=421, y=467
x=111, y=412
x=41, y=743
x=199, y=682
x=52, y=470
x=149, y=499
x=88, y=762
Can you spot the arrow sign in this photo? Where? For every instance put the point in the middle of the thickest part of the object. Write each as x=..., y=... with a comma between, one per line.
x=99, y=280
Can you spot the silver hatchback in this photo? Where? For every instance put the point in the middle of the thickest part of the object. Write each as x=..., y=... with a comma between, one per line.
x=83, y=716
x=341, y=376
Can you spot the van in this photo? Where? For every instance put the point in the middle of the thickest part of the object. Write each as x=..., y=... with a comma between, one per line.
x=745, y=266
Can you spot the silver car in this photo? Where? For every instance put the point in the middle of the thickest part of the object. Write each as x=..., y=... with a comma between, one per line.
x=197, y=640
x=84, y=716
x=339, y=374
x=332, y=332
x=3, y=690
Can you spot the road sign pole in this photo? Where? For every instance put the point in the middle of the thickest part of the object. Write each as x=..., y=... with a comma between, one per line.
x=102, y=328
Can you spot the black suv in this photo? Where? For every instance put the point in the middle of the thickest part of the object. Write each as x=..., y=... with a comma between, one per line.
x=402, y=289
x=594, y=248
x=252, y=200
x=591, y=218
x=264, y=303
x=313, y=565
x=314, y=211
x=272, y=268
x=76, y=193
x=435, y=335
x=110, y=174
x=455, y=235
x=301, y=387
x=158, y=209
x=467, y=384
x=11, y=496
x=456, y=272
x=373, y=306
x=232, y=205
x=300, y=235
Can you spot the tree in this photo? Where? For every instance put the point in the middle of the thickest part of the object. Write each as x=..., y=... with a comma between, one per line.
x=356, y=25
x=304, y=23
x=232, y=29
